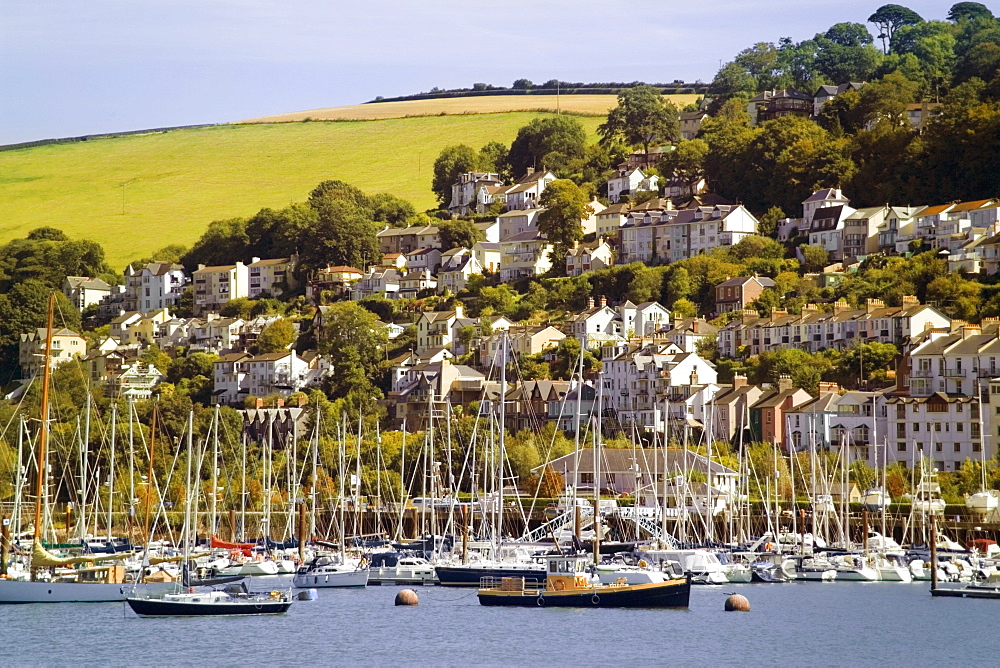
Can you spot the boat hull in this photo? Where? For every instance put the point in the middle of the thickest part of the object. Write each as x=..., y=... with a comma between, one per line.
x=458, y=576
x=342, y=579
x=158, y=608
x=673, y=594
x=19, y=591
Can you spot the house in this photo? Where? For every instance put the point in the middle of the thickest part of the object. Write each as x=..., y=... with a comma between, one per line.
x=141, y=331
x=83, y=291
x=274, y=373
x=643, y=320
x=337, y=280
x=406, y=239
x=767, y=416
x=395, y=261
x=837, y=418
x=525, y=193
x=731, y=410
x=691, y=123
x=218, y=335
x=473, y=192
x=215, y=286
x=375, y=282
x=416, y=283
x=433, y=383
x=898, y=229
x=154, y=286
x=229, y=374
x=677, y=188
x=279, y=427
x=456, y=268
x=136, y=381
x=919, y=114
x=630, y=181
x=687, y=333
x=644, y=160
x=517, y=221
x=648, y=384
x=66, y=344
x=524, y=255
x=490, y=230
x=521, y=340
x=593, y=325
x=610, y=219
x=814, y=330
x=827, y=230
x=824, y=94
x=736, y=294
x=946, y=428
x=423, y=259
x=438, y=329
x=272, y=277
x=861, y=231
x=772, y=104
x=488, y=255
x=657, y=231
x=530, y=402
x=590, y=256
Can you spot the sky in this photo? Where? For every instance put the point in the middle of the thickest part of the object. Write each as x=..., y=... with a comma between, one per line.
x=72, y=67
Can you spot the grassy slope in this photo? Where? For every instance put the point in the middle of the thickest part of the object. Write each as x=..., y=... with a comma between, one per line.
x=595, y=105
x=179, y=181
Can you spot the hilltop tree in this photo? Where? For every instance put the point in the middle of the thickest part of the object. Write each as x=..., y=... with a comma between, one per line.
x=642, y=116
x=546, y=143
x=450, y=163
x=224, y=242
x=888, y=18
x=731, y=82
x=969, y=11
x=846, y=53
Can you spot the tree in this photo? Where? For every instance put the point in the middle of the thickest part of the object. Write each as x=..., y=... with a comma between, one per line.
x=459, y=233
x=756, y=246
x=450, y=163
x=768, y=223
x=546, y=142
x=493, y=158
x=814, y=258
x=642, y=116
x=888, y=18
x=567, y=359
x=275, y=337
x=731, y=82
x=224, y=242
x=392, y=210
x=686, y=162
x=344, y=234
x=761, y=61
x=23, y=309
x=355, y=342
x=522, y=84
x=565, y=207
x=684, y=308
x=968, y=11
x=845, y=53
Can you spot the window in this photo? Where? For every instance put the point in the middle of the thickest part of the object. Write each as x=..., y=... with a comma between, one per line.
x=916, y=427
x=586, y=478
x=938, y=447
x=937, y=426
x=976, y=446
x=901, y=446
x=958, y=447
x=959, y=427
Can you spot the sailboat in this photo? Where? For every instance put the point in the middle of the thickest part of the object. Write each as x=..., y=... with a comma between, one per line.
x=234, y=599
x=984, y=501
x=102, y=579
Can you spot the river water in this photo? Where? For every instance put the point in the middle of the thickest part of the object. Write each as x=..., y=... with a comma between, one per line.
x=792, y=624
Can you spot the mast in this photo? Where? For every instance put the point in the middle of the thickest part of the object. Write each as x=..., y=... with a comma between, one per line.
x=131, y=466
x=188, y=493
x=502, y=455
x=215, y=473
x=243, y=489
x=402, y=485
x=43, y=438
x=576, y=424
x=149, y=481
x=111, y=469
x=597, y=472
x=84, y=465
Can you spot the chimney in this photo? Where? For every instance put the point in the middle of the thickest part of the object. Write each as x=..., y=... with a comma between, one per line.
x=279, y=403
x=259, y=403
x=694, y=376
x=829, y=388
x=459, y=310
x=873, y=304
x=695, y=325
x=784, y=383
x=971, y=330
x=840, y=306
x=590, y=302
x=254, y=260
x=910, y=300
x=530, y=171
x=603, y=302
x=739, y=380
x=200, y=266
x=669, y=204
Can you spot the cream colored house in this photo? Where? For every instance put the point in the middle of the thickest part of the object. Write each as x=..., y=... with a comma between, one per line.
x=215, y=286
x=66, y=344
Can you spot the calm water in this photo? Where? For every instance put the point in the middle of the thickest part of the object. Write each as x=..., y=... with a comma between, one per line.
x=794, y=624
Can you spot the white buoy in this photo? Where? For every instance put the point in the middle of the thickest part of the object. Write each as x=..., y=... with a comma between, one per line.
x=308, y=595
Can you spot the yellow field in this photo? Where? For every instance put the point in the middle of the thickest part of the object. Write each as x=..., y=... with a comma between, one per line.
x=589, y=105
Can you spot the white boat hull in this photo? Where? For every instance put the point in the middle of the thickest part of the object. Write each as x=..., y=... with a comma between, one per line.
x=895, y=574
x=22, y=591
x=863, y=574
x=345, y=578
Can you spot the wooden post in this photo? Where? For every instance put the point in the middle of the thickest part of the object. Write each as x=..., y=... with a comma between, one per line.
x=934, y=561
x=4, y=545
x=597, y=531
x=864, y=528
x=465, y=533
x=232, y=525
x=302, y=532
x=576, y=521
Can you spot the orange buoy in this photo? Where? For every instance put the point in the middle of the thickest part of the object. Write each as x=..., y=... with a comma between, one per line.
x=737, y=603
x=406, y=597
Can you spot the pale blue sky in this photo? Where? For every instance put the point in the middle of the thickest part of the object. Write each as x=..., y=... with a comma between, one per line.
x=71, y=67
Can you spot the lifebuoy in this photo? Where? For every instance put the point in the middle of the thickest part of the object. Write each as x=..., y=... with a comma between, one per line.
x=595, y=599
x=767, y=547
x=559, y=585
x=643, y=563
x=540, y=601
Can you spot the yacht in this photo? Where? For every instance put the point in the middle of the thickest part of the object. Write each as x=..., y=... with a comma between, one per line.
x=331, y=570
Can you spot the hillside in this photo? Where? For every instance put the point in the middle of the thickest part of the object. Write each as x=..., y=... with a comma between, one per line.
x=587, y=105
x=176, y=182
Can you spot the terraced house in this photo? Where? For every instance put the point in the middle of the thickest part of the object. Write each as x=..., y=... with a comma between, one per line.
x=657, y=231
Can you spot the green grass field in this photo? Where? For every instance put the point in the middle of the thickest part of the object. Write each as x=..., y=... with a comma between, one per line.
x=177, y=182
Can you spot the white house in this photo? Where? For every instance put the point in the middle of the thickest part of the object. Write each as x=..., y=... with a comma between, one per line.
x=83, y=291
x=629, y=182
x=66, y=344
x=523, y=255
x=154, y=286
x=525, y=193
x=591, y=256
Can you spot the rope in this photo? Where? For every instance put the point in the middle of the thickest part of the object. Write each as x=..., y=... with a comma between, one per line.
x=448, y=600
